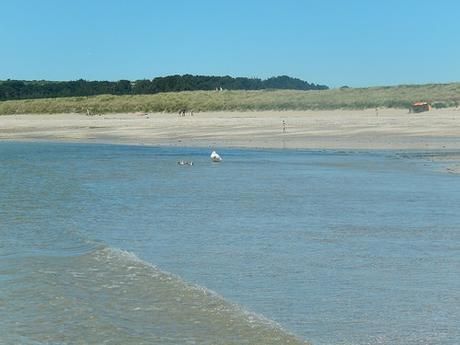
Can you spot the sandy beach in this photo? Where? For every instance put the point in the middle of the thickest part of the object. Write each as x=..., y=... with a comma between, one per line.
x=338, y=129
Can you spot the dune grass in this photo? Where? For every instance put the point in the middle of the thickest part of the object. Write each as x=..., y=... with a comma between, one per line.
x=441, y=95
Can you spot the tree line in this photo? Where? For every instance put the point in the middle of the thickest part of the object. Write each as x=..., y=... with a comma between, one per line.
x=20, y=89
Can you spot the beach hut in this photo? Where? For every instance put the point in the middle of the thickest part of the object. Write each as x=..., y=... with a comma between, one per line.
x=419, y=107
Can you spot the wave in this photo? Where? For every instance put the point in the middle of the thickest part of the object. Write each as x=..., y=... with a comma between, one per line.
x=110, y=295
x=116, y=256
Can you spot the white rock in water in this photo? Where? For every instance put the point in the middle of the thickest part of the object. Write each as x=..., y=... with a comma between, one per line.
x=215, y=157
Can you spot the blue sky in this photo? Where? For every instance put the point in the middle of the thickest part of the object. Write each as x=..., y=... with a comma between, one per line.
x=355, y=42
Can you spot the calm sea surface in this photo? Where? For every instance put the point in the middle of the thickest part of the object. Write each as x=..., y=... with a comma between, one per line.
x=120, y=245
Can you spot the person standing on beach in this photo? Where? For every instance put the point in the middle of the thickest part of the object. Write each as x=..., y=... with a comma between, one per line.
x=284, y=126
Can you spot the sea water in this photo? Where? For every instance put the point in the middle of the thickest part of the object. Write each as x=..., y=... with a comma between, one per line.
x=121, y=245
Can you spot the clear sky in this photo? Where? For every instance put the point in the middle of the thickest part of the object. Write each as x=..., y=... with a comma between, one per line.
x=333, y=42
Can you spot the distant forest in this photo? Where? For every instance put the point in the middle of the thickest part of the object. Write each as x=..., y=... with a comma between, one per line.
x=19, y=89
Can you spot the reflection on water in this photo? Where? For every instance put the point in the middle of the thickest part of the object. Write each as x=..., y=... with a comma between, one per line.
x=338, y=247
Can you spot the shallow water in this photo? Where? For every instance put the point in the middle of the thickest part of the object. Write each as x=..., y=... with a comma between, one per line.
x=119, y=244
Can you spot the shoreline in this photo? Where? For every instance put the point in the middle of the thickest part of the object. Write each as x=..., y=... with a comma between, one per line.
x=361, y=130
